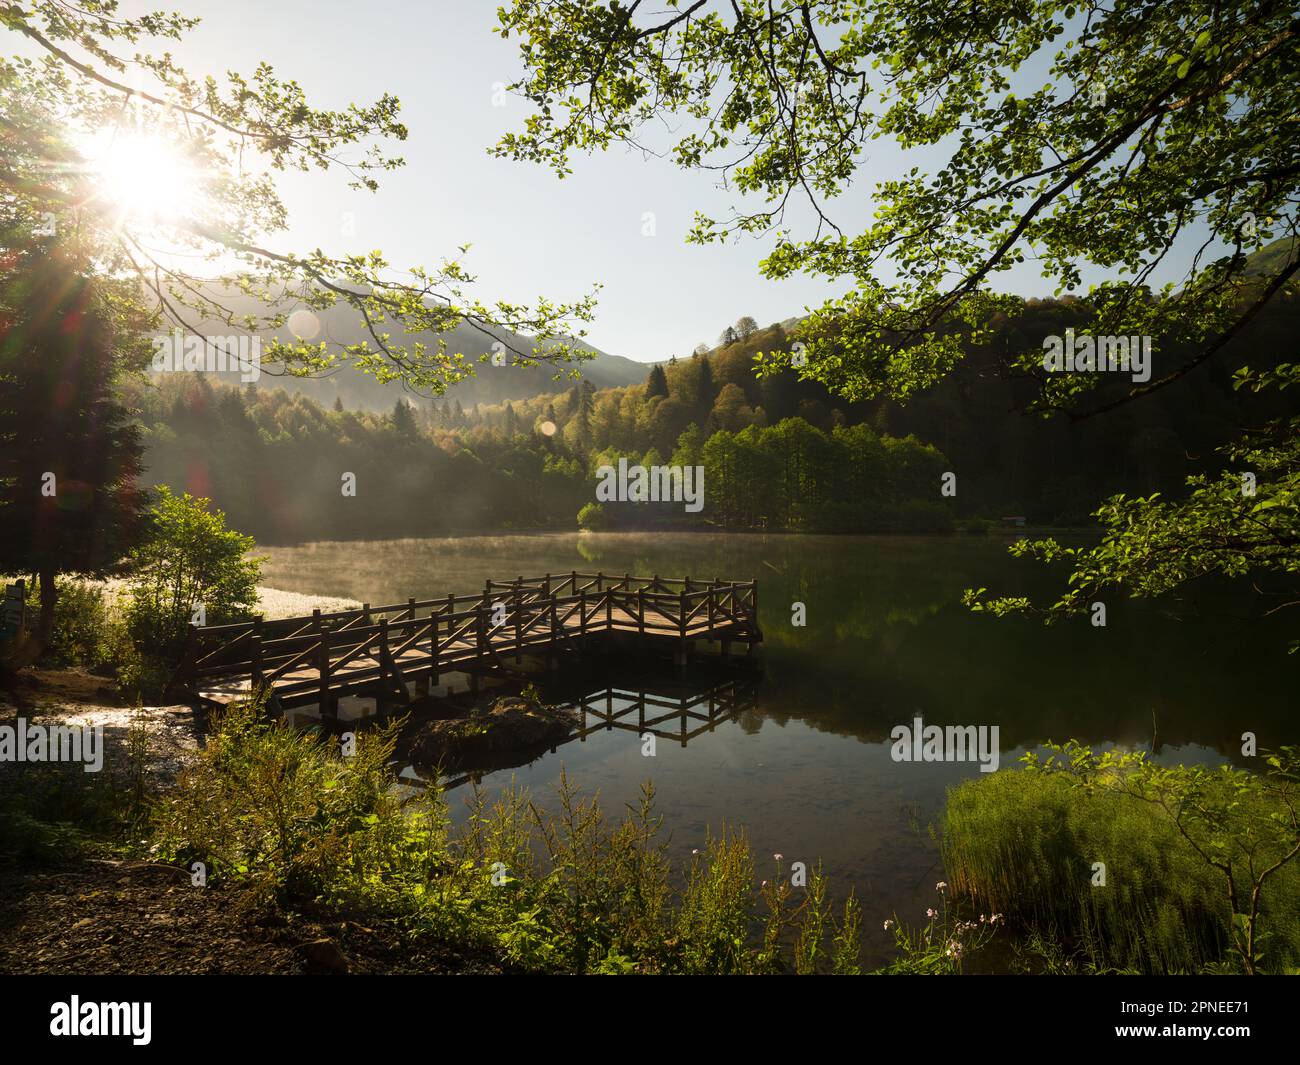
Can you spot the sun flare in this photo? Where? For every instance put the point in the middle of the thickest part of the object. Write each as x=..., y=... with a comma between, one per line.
x=143, y=176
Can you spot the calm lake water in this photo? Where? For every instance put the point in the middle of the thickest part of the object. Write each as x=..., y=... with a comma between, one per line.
x=804, y=767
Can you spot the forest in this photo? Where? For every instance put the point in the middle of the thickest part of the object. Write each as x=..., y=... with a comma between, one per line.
x=780, y=452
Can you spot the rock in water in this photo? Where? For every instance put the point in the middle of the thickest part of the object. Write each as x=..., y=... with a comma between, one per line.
x=513, y=727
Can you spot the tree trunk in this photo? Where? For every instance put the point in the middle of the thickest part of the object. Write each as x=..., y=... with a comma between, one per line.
x=45, y=619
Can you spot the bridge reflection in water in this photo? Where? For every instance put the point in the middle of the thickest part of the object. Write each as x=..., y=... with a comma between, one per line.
x=672, y=711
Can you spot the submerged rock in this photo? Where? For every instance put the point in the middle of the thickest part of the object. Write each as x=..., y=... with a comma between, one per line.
x=512, y=727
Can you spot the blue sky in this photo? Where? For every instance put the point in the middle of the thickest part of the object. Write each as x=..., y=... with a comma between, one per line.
x=532, y=234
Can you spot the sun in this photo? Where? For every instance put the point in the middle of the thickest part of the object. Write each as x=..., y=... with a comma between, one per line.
x=142, y=176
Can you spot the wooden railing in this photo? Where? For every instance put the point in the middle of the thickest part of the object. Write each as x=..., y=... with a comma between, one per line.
x=374, y=644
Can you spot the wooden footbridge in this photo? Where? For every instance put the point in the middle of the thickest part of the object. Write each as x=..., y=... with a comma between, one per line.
x=386, y=651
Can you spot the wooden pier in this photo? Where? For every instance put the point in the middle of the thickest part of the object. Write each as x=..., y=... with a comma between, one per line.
x=387, y=651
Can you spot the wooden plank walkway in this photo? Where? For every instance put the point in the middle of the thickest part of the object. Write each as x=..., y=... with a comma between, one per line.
x=382, y=650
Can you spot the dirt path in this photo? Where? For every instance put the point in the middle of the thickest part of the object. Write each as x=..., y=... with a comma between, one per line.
x=120, y=917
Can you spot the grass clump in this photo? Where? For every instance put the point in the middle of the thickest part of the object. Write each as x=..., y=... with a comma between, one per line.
x=1122, y=865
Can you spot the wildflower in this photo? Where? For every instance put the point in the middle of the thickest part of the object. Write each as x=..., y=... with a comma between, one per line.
x=778, y=857
x=932, y=913
x=954, y=949
x=940, y=886
x=764, y=883
x=889, y=925
x=982, y=918
x=695, y=852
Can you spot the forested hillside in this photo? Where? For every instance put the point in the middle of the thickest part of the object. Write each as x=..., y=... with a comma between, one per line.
x=779, y=452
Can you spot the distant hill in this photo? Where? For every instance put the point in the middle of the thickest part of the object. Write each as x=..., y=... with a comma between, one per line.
x=493, y=384
x=1273, y=257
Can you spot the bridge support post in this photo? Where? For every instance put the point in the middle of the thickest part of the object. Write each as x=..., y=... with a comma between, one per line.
x=381, y=695
x=329, y=707
x=640, y=618
x=519, y=636
x=433, y=649
x=257, y=653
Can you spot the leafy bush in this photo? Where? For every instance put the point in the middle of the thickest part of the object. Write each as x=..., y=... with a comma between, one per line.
x=1200, y=865
x=188, y=559
x=275, y=809
x=593, y=517
x=81, y=624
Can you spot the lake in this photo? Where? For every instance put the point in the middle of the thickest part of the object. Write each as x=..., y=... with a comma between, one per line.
x=805, y=765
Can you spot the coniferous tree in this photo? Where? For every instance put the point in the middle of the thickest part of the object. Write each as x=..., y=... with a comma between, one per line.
x=657, y=383
x=69, y=453
x=403, y=421
x=706, y=390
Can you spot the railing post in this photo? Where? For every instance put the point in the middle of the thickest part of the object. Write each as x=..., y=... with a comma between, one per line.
x=433, y=645
x=185, y=675
x=640, y=611
x=410, y=608
x=681, y=614
x=189, y=671
x=519, y=634
x=384, y=659
x=323, y=669
x=257, y=652
x=582, y=612
x=365, y=613
x=573, y=583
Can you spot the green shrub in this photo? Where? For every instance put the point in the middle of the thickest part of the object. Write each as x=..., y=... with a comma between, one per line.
x=81, y=624
x=282, y=812
x=188, y=559
x=1184, y=850
x=593, y=517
